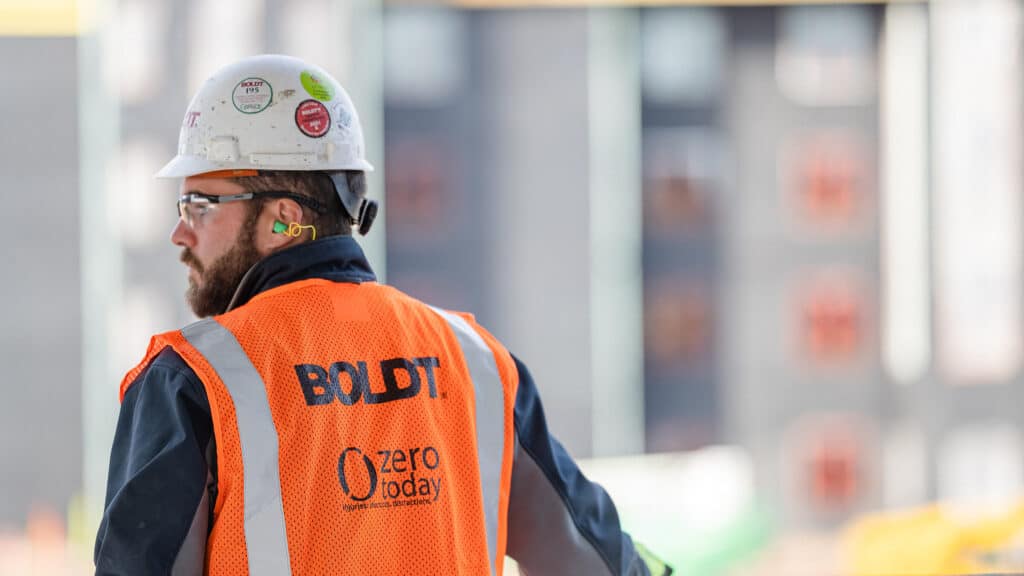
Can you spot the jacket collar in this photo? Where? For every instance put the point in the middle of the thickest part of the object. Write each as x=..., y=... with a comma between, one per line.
x=336, y=258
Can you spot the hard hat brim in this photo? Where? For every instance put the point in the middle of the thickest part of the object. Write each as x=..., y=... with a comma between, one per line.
x=185, y=166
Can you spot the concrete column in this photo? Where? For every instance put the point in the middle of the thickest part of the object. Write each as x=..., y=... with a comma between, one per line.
x=616, y=223
x=535, y=94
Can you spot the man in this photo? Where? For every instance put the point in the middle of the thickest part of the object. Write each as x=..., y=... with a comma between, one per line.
x=317, y=422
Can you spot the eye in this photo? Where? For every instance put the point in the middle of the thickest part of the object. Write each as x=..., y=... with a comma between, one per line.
x=193, y=208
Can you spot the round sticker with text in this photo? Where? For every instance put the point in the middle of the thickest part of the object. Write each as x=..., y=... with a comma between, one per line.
x=252, y=95
x=312, y=118
x=316, y=86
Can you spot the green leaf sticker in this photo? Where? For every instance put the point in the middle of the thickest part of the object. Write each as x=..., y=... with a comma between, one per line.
x=317, y=87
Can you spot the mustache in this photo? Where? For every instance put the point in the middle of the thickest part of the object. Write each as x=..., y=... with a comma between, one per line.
x=190, y=259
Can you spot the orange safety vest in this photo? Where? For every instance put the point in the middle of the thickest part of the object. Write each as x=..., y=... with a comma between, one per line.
x=359, y=431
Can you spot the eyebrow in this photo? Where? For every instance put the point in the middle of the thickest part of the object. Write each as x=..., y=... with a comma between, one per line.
x=198, y=192
x=208, y=195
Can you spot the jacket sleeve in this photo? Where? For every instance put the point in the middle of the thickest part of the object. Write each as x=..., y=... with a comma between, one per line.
x=558, y=521
x=157, y=505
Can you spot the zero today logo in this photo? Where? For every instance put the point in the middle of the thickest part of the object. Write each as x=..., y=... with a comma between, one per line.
x=390, y=478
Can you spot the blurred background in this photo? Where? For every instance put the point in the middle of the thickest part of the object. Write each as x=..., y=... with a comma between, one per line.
x=763, y=258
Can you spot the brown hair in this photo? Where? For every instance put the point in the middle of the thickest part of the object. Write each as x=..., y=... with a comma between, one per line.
x=334, y=221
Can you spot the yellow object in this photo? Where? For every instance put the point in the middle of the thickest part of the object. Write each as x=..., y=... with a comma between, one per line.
x=935, y=540
x=38, y=18
x=295, y=230
x=655, y=565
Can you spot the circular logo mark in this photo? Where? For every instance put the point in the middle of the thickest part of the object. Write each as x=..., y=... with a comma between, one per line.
x=317, y=87
x=252, y=95
x=312, y=118
x=370, y=470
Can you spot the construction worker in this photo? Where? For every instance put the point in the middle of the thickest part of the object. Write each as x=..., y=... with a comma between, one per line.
x=315, y=421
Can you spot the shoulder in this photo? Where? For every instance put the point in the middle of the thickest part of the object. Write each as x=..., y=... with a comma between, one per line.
x=168, y=376
x=169, y=359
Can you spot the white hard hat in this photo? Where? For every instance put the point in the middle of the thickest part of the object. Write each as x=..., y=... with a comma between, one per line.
x=269, y=112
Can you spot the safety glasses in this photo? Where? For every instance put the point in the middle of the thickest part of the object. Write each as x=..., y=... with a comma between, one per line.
x=194, y=206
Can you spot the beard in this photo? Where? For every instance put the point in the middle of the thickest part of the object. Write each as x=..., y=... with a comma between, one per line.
x=221, y=278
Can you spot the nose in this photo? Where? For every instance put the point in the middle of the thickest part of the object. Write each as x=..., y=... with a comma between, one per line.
x=183, y=235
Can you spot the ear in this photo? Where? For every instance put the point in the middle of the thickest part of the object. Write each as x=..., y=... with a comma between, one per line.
x=281, y=210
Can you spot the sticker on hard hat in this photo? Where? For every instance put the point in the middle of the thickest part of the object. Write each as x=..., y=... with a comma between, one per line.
x=252, y=95
x=342, y=117
x=312, y=118
x=316, y=86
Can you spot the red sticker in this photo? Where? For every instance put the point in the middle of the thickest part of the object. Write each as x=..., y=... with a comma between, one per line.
x=312, y=118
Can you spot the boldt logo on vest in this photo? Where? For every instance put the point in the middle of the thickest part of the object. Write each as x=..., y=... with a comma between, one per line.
x=397, y=477
x=321, y=385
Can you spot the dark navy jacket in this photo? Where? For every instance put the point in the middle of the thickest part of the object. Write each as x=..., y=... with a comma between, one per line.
x=162, y=480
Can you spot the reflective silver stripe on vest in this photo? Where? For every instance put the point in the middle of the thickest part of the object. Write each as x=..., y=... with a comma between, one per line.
x=265, y=539
x=490, y=419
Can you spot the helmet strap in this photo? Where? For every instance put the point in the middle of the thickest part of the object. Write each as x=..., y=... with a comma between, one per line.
x=366, y=216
